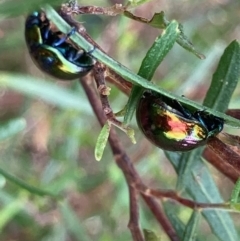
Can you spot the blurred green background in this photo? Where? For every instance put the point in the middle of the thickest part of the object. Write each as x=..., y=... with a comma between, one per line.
x=55, y=151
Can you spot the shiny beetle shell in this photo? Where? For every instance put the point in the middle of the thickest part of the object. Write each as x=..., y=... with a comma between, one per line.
x=173, y=127
x=51, y=51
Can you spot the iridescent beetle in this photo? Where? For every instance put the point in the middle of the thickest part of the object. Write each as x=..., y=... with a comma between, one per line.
x=52, y=52
x=173, y=127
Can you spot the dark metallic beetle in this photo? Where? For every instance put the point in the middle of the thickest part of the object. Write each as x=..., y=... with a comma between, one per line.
x=173, y=127
x=52, y=52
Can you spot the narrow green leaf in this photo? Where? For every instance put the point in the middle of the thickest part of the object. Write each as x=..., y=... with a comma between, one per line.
x=225, y=79
x=47, y=91
x=190, y=231
x=155, y=55
x=184, y=42
x=160, y=48
x=198, y=182
x=11, y=128
x=102, y=141
x=26, y=186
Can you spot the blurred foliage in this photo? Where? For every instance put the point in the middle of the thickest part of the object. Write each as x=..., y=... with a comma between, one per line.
x=55, y=150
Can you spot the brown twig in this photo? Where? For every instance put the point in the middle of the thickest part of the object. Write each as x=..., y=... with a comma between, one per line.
x=173, y=195
x=133, y=224
x=225, y=153
x=127, y=168
x=221, y=165
x=99, y=76
x=72, y=7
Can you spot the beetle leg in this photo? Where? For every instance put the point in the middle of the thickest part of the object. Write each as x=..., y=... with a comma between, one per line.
x=75, y=55
x=199, y=116
x=45, y=31
x=63, y=39
x=182, y=110
x=204, y=118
